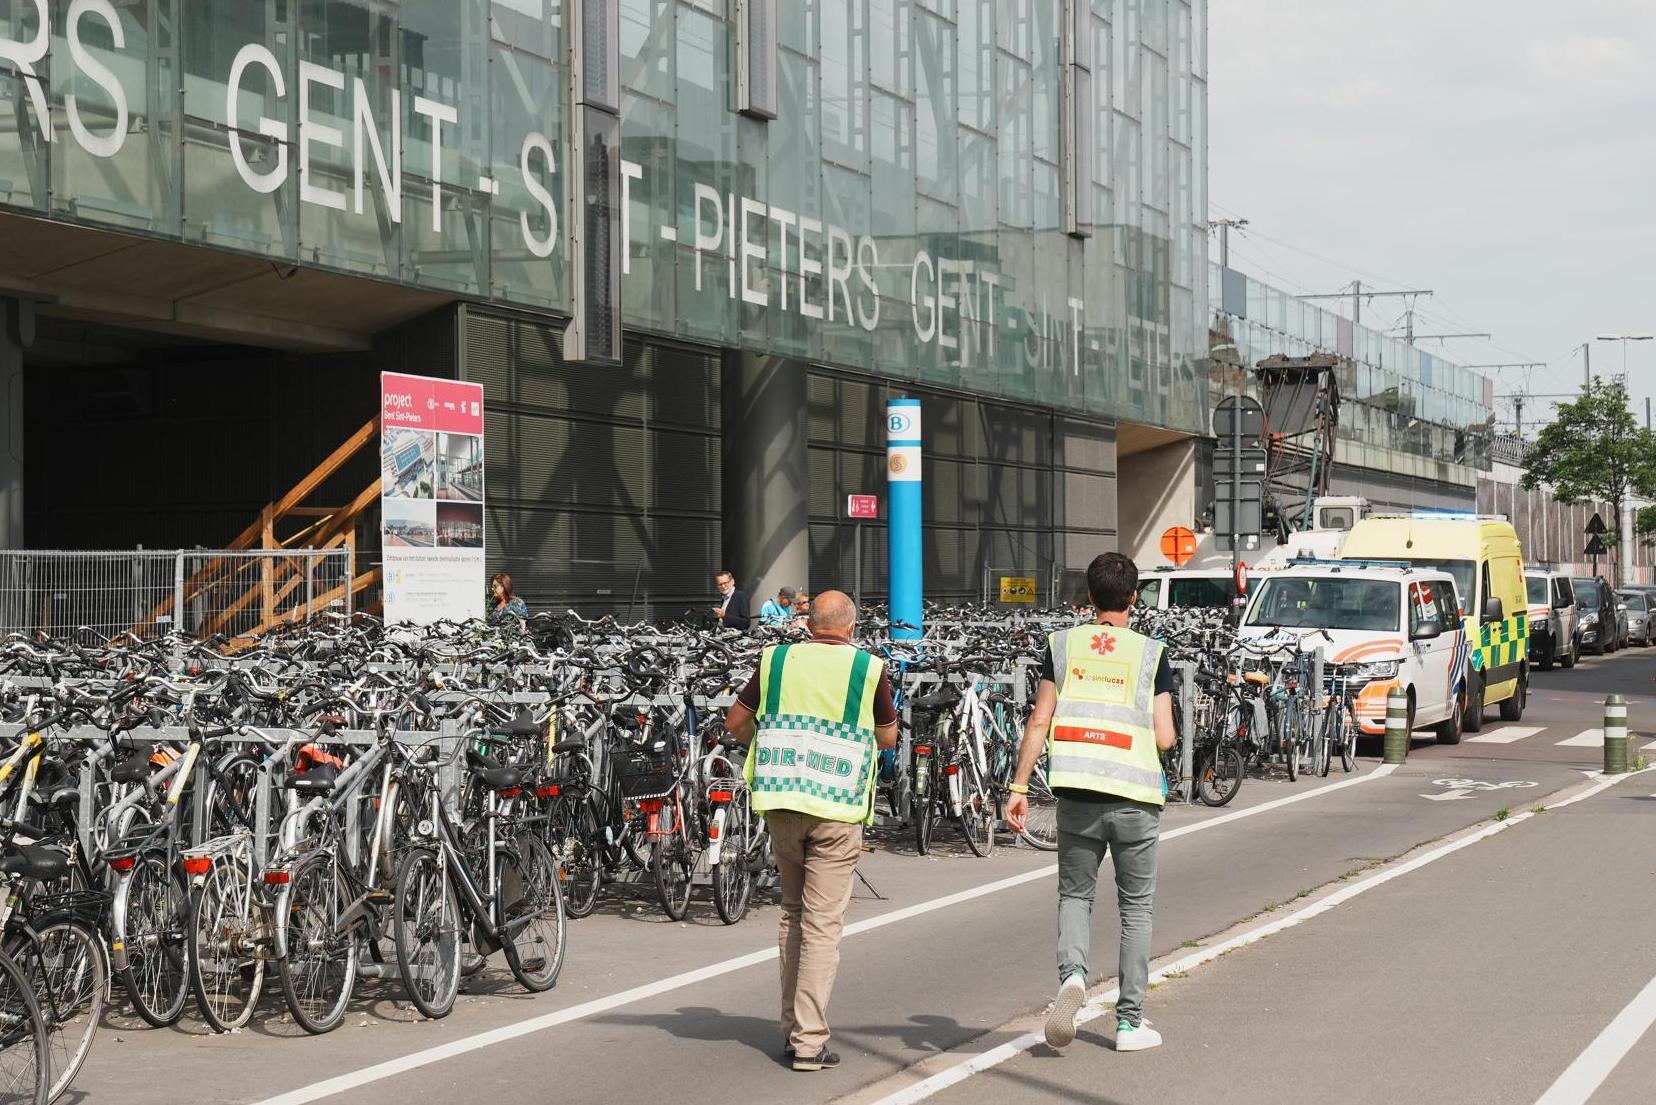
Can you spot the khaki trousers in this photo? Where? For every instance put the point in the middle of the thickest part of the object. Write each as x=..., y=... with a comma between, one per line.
x=817, y=860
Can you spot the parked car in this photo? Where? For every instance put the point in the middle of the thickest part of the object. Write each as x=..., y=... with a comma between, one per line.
x=1638, y=616
x=1599, y=615
x=1552, y=620
x=1164, y=588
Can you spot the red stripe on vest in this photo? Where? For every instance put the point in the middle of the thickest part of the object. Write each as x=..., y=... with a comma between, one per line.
x=1106, y=737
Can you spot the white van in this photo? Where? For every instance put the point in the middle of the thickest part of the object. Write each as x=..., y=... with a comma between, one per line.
x=1388, y=626
x=1201, y=587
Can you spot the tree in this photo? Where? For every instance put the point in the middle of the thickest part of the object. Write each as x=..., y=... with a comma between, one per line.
x=1594, y=450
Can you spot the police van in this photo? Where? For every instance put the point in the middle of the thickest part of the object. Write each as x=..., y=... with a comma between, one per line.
x=1384, y=626
x=1482, y=553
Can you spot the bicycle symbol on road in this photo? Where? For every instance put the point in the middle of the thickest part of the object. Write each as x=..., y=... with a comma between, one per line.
x=1456, y=789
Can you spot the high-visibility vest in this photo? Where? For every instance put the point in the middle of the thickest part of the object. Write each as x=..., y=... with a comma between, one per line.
x=1103, y=735
x=813, y=751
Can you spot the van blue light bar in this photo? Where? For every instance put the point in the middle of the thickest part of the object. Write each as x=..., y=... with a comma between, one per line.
x=1353, y=562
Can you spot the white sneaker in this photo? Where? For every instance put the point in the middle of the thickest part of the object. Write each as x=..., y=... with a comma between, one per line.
x=1141, y=1038
x=1060, y=1023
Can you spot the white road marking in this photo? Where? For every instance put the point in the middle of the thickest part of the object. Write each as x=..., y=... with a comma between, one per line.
x=1584, y=1076
x=1587, y=738
x=351, y=1080
x=1506, y=734
x=1097, y=1007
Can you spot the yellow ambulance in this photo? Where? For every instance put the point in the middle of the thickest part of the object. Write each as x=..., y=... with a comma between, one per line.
x=1482, y=554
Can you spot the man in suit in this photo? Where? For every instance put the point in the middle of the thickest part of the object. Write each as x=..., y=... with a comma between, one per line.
x=735, y=609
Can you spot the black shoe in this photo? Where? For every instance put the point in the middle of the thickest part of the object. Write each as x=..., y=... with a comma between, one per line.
x=826, y=1060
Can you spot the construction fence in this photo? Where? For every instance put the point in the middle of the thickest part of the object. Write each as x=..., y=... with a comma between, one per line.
x=149, y=592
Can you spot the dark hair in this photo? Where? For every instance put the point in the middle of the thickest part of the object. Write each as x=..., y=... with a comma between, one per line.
x=1112, y=581
x=725, y=572
x=505, y=582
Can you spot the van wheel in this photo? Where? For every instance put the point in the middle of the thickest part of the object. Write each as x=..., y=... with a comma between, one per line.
x=1545, y=663
x=1569, y=659
x=1513, y=708
x=1472, y=720
x=1449, y=729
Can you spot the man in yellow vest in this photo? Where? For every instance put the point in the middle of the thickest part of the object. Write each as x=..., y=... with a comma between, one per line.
x=1104, y=715
x=816, y=712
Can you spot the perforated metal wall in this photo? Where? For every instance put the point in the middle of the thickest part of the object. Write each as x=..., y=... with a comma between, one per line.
x=1005, y=486
x=603, y=483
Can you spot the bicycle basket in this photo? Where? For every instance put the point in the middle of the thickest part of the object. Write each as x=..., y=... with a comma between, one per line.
x=645, y=771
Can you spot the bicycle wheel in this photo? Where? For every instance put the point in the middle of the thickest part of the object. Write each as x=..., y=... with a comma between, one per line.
x=1041, y=824
x=925, y=799
x=667, y=862
x=25, y=1062
x=583, y=874
x=1322, y=745
x=319, y=970
x=1292, y=755
x=978, y=811
x=533, y=911
x=732, y=877
x=63, y=960
x=151, y=944
x=427, y=932
x=1345, y=738
x=226, y=964
x=1219, y=775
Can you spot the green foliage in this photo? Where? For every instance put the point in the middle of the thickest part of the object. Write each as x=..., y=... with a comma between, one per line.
x=1594, y=450
x=1644, y=525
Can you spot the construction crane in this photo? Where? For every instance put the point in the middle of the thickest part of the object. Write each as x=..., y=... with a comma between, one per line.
x=1301, y=397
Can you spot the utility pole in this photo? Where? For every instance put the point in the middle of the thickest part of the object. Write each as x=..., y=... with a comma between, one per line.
x=1224, y=226
x=1586, y=365
x=1357, y=295
x=1518, y=415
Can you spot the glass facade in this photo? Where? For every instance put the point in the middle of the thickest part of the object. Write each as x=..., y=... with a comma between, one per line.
x=1393, y=394
x=902, y=215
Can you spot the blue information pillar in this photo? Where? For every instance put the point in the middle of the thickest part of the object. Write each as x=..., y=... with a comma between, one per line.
x=903, y=516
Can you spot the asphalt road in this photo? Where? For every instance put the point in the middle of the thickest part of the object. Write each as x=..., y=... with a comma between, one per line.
x=1507, y=956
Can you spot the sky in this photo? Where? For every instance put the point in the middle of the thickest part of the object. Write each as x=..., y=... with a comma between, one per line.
x=1499, y=152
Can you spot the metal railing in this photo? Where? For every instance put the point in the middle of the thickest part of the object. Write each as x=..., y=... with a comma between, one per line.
x=153, y=591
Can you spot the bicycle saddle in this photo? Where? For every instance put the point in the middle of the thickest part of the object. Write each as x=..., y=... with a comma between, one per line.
x=34, y=862
x=523, y=726
x=1257, y=677
x=573, y=744
x=494, y=776
x=940, y=699
x=319, y=779
x=134, y=768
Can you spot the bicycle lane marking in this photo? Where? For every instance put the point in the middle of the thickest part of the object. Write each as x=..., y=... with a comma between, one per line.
x=1582, y=1078
x=390, y=1068
x=1096, y=1006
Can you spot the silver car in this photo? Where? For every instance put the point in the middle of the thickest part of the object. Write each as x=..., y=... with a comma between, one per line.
x=1636, y=603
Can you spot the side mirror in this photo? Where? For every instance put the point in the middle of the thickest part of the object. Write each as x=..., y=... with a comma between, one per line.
x=1493, y=611
x=1622, y=607
x=1427, y=630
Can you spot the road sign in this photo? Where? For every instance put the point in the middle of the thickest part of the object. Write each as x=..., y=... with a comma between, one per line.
x=1596, y=526
x=1178, y=545
x=1248, y=461
x=1239, y=507
x=1595, y=546
x=1241, y=577
x=1017, y=589
x=1239, y=416
x=862, y=506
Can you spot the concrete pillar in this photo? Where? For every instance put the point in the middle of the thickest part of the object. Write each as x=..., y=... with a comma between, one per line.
x=16, y=334
x=1156, y=488
x=766, y=475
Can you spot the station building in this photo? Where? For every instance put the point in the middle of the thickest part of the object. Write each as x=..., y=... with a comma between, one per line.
x=689, y=247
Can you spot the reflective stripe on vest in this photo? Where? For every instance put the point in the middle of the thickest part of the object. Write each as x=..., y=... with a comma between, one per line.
x=1103, y=735
x=813, y=751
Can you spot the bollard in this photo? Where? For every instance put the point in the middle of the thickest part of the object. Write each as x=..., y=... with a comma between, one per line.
x=1397, y=727
x=1615, y=735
